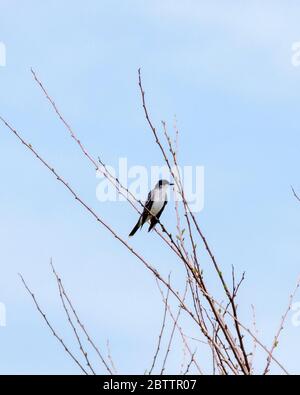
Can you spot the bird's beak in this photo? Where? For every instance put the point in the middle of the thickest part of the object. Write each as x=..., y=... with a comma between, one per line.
x=171, y=184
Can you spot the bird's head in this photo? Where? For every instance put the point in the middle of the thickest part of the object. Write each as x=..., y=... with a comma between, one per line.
x=163, y=183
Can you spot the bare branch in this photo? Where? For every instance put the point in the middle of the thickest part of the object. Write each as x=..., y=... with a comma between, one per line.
x=161, y=331
x=295, y=194
x=51, y=327
x=84, y=353
x=281, y=326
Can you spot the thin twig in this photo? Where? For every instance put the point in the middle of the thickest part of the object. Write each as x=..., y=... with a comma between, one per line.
x=84, y=353
x=110, y=357
x=161, y=331
x=51, y=327
x=254, y=340
x=295, y=194
x=276, y=338
x=176, y=325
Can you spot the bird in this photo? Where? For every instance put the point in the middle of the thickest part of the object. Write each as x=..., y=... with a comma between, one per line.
x=154, y=206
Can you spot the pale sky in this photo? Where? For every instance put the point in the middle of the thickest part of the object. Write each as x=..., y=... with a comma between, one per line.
x=224, y=69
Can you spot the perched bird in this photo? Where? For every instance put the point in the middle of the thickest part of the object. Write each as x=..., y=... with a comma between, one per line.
x=156, y=202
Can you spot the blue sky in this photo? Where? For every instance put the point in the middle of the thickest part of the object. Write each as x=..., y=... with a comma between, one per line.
x=224, y=68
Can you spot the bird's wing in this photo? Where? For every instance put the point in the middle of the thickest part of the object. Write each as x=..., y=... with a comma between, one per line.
x=147, y=208
x=162, y=209
x=155, y=219
x=149, y=201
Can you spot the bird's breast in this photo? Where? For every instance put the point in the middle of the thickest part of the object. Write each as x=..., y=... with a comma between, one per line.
x=156, y=207
x=158, y=198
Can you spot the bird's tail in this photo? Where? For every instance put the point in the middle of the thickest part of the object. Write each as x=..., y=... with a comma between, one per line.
x=138, y=224
x=152, y=224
